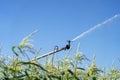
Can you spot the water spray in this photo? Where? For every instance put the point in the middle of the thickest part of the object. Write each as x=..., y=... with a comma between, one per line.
x=95, y=27
x=67, y=46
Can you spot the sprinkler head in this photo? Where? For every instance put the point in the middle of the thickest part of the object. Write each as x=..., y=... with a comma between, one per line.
x=68, y=45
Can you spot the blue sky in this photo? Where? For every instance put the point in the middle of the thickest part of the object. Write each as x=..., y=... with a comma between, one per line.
x=61, y=20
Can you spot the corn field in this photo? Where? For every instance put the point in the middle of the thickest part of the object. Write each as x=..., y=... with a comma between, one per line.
x=67, y=68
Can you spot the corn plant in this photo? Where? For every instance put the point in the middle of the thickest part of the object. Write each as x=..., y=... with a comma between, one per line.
x=66, y=68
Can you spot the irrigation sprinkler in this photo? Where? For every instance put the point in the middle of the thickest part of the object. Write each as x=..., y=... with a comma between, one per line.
x=66, y=47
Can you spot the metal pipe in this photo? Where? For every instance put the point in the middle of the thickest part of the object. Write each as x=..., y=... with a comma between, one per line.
x=49, y=53
x=54, y=51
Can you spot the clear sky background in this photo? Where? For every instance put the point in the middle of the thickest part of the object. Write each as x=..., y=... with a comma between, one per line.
x=61, y=20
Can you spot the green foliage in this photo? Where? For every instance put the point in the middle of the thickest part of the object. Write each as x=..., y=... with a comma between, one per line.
x=67, y=68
